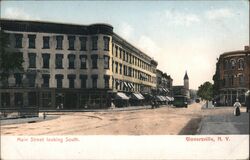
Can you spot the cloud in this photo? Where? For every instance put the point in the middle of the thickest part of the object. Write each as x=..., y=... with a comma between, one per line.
x=148, y=46
x=180, y=18
x=17, y=13
x=219, y=13
x=125, y=30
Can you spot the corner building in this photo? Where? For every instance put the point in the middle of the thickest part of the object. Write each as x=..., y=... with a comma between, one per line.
x=232, y=77
x=74, y=65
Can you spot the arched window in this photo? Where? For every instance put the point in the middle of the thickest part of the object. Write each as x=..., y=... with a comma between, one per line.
x=233, y=63
x=241, y=63
x=225, y=64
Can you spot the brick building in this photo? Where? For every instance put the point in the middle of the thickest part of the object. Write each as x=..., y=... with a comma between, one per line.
x=232, y=76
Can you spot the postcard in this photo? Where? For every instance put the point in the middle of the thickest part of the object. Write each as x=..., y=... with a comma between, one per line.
x=124, y=80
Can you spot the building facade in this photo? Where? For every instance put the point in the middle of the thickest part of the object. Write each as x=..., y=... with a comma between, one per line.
x=164, y=83
x=232, y=76
x=74, y=65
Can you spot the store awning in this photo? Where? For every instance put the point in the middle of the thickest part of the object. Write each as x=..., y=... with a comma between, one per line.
x=165, y=89
x=125, y=83
x=159, y=98
x=121, y=95
x=130, y=85
x=168, y=98
x=138, y=96
x=164, y=98
x=117, y=81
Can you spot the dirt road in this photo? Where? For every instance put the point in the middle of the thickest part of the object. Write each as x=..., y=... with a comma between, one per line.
x=161, y=121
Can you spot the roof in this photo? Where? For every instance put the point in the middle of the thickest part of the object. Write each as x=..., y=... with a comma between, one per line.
x=186, y=76
x=54, y=27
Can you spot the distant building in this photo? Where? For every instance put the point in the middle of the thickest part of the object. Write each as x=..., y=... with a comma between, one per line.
x=74, y=65
x=232, y=76
x=183, y=90
x=164, y=83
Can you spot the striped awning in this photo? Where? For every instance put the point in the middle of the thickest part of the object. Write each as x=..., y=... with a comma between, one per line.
x=121, y=95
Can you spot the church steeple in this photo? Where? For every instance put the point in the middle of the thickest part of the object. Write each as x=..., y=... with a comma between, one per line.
x=186, y=76
x=186, y=81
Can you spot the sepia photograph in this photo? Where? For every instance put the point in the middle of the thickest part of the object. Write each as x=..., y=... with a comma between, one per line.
x=124, y=79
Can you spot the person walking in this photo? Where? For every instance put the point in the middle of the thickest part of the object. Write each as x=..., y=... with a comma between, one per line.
x=237, y=106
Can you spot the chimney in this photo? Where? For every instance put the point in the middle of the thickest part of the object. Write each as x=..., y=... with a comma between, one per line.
x=247, y=48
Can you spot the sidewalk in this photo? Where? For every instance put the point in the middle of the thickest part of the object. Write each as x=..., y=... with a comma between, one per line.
x=101, y=110
x=26, y=120
x=225, y=124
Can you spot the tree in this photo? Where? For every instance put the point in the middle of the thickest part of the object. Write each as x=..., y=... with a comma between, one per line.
x=9, y=61
x=205, y=91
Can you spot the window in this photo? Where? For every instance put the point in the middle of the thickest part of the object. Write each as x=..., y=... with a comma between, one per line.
x=124, y=56
x=231, y=80
x=59, y=78
x=45, y=42
x=116, y=51
x=71, y=42
x=106, y=81
x=32, y=60
x=120, y=68
x=19, y=38
x=71, y=78
x=31, y=80
x=241, y=79
x=94, y=61
x=18, y=78
x=94, y=42
x=59, y=42
x=125, y=70
x=129, y=71
x=59, y=62
x=71, y=58
x=233, y=63
x=18, y=99
x=116, y=67
x=32, y=41
x=83, y=41
x=112, y=66
x=46, y=78
x=83, y=81
x=241, y=63
x=83, y=59
x=94, y=81
x=120, y=53
x=46, y=58
x=106, y=62
x=106, y=43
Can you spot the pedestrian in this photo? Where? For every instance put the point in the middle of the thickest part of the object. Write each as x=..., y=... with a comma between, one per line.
x=61, y=106
x=152, y=103
x=237, y=106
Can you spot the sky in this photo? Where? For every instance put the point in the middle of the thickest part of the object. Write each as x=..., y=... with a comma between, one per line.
x=181, y=35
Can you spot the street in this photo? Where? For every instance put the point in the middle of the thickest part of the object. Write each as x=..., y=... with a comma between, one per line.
x=166, y=120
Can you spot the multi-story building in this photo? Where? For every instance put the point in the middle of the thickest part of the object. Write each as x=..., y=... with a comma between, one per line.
x=164, y=83
x=73, y=65
x=232, y=76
